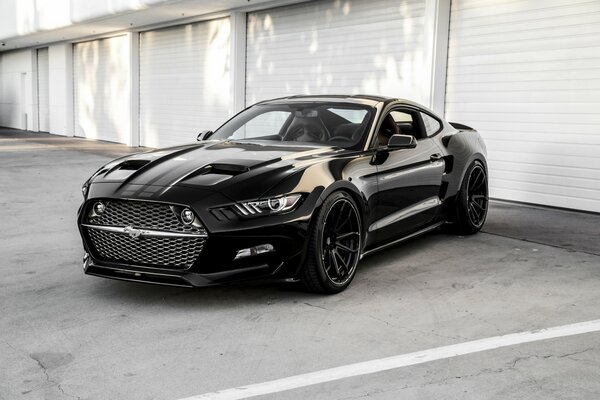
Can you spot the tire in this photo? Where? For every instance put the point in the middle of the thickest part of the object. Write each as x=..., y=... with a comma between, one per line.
x=334, y=245
x=472, y=200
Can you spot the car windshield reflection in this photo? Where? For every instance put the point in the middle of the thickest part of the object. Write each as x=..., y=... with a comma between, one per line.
x=331, y=124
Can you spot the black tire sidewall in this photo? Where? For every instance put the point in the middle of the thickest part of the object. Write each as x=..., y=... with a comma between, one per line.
x=314, y=267
x=464, y=223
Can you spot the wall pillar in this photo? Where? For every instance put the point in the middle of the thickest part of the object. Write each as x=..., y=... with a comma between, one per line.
x=238, y=62
x=437, y=22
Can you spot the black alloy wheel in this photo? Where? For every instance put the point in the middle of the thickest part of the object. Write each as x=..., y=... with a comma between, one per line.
x=477, y=196
x=335, y=244
x=472, y=200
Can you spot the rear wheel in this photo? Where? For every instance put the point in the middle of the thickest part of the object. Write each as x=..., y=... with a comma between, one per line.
x=334, y=245
x=472, y=200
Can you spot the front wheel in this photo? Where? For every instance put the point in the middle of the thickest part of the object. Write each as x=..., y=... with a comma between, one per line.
x=334, y=245
x=472, y=200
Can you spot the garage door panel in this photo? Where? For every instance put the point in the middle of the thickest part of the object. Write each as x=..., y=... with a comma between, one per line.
x=574, y=53
x=506, y=125
x=527, y=75
x=328, y=46
x=101, y=89
x=184, y=82
x=510, y=11
x=574, y=162
x=565, y=65
x=522, y=116
x=544, y=148
x=556, y=84
x=516, y=107
x=525, y=96
x=545, y=137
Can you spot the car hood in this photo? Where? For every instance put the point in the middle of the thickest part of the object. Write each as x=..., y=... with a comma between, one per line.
x=208, y=165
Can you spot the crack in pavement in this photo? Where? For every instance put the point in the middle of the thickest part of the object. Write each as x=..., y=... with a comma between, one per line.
x=49, y=380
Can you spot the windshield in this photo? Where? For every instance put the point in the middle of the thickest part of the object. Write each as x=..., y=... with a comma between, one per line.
x=332, y=124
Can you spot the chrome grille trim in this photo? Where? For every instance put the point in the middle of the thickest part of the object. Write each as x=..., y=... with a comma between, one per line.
x=145, y=232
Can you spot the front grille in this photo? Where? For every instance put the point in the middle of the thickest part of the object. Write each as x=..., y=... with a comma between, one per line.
x=146, y=215
x=169, y=252
x=165, y=242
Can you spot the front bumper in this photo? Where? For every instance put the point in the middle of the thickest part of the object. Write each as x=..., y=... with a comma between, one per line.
x=217, y=262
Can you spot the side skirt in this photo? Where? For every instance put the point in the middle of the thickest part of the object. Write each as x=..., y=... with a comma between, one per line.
x=402, y=239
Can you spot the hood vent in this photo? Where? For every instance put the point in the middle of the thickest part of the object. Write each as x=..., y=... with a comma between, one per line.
x=133, y=165
x=226, y=169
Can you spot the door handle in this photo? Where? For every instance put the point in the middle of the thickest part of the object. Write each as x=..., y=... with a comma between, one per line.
x=435, y=157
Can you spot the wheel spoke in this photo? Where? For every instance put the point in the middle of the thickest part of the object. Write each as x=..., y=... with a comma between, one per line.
x=336, y=265
x=477, y=205
x=341, y=239
x=346, y=248
x=344, y=263
x=339, y=215
x=347, y=235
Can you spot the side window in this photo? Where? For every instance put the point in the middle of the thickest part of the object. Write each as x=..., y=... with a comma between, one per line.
x=432, y=125
x=405, y=122
x=266, y=124
x=401, y=116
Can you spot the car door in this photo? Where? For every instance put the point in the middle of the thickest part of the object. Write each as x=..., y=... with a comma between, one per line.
x=408, y=179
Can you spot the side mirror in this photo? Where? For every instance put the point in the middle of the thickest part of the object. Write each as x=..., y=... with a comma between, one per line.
x=203, y=135
x=402, y=142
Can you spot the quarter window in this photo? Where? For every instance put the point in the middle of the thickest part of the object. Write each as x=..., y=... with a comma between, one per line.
x=432, y=125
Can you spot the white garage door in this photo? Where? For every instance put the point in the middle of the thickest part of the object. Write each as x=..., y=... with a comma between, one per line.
x=184, y=82
x=43, y=90
x=337, y=47
x=526, y=74
x=101, y=89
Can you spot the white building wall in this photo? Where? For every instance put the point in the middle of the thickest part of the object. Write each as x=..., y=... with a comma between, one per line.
x=17, y=98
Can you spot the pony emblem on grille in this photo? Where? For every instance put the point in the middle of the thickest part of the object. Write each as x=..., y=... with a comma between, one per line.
x=132, y=232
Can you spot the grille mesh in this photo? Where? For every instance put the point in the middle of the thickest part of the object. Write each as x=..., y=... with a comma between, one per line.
x=165, y=252
x=140, y=214
x=171, y=252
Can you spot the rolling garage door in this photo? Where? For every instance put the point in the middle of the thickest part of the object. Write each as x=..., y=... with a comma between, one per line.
x=43, y=86
x=184, y=82
x=526, y=74
x=343, y=47
x=101, y=89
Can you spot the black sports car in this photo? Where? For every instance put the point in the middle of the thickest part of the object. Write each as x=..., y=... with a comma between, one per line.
x=300, y=187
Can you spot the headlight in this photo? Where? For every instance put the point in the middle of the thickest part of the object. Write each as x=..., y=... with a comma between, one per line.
x=274, y=205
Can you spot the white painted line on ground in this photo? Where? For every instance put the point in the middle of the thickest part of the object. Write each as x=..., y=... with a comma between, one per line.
x=404, y=360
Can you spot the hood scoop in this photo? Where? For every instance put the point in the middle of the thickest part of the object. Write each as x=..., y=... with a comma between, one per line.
x=226, y=169
x=213, y=174
x=132, y=165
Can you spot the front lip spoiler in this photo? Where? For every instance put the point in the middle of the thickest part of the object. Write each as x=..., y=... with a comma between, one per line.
x=180, y=278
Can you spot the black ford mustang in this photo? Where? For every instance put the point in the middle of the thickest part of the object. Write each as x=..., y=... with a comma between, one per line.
x=295, y=188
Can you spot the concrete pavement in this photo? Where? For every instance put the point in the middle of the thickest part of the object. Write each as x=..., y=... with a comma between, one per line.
x=65, y=335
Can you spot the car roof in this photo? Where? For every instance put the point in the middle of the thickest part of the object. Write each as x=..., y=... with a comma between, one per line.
x=357, y=99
